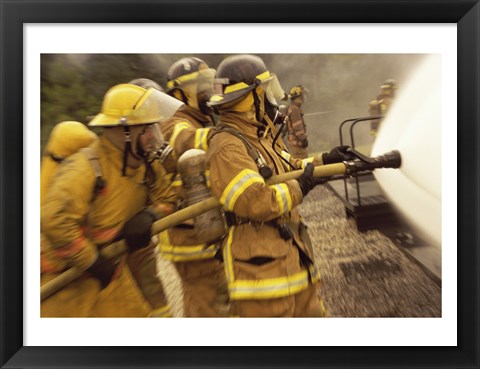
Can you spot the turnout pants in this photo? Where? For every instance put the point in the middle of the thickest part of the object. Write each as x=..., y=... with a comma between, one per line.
x=204, y=288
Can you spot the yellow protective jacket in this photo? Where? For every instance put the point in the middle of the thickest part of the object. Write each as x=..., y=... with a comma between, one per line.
x=236, y=182
x=77, y=221
x=188, y=129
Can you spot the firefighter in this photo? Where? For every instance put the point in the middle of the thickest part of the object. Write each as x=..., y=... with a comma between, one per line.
x=111, y=191
x=65, y=139
x=381, y=104
x=190, y=80
x=297, y=130
x=267, y=257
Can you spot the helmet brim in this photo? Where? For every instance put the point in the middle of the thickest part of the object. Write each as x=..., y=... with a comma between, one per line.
x=219, y=100
x=102, y=120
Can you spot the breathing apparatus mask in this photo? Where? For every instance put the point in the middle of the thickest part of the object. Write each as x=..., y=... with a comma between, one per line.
x=149, y=142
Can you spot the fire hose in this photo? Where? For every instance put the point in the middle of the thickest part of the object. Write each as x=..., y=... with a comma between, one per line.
x=361, y=163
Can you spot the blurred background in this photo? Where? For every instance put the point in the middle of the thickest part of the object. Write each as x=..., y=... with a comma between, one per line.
x=341, y=85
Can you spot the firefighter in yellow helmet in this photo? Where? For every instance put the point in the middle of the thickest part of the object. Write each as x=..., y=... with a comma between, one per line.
x=114, y=191
x=381, y=104
x=297, y=130
x=190, y=80
x=267, y=258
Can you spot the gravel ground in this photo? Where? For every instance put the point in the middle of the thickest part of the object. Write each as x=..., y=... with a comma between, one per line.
x=363, y=274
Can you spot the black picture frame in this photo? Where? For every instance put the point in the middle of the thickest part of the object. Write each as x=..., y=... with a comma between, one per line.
x=14, y=14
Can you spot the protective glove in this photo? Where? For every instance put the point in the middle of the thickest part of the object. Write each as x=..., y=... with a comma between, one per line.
x=304, y=143
x=337, y=155
x=307, y=181
x=137, y=231
x=104, y=270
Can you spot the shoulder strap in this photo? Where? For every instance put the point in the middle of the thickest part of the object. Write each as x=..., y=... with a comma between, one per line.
x=233, y=131
x=264, y=170
x=92, y=156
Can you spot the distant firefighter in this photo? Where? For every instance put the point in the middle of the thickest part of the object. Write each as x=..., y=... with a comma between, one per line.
x=381, y=104
x=297, y=130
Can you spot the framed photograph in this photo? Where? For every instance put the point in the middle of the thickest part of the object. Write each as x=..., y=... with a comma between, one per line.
x=290, y=36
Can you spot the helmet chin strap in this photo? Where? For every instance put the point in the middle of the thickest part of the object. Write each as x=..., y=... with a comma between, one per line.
x=256, y=102
x=127, y=149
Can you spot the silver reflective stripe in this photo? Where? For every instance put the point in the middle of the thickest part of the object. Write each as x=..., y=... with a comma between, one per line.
x=238, y=185
x=201, y=138
x=282, y=194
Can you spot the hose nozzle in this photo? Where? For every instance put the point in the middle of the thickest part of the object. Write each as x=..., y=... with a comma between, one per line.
x=391, y=159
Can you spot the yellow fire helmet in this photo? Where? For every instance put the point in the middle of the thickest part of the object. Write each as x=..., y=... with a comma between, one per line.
x=237, y=75
x=297, y=91
x=388, y=87
x=130, y=105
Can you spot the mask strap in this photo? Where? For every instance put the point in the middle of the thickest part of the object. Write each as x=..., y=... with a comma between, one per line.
x=126, y=151
x=256, y=102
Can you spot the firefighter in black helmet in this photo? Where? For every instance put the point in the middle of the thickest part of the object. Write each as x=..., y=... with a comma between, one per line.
x=267, y=257
x=190, y=80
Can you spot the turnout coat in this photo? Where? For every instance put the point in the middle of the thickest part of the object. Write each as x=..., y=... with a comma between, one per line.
x=259, y=262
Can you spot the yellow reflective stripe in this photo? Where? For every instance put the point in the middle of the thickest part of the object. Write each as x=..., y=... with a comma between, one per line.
x=263, y=75
x=227, y=256
x=314, y=274
x=241, y=85
x=284, y=198
x=183, y=253
x=286, y=155
x=188, y=77
x=207, y=178
x=177, y=181
x=269, y=288
x=182, y=79
x=236, y=87
x=238, y=185
x=306, y=161
x=163, y=312
x=201, y=139
x=176, y=131
x=216, y=98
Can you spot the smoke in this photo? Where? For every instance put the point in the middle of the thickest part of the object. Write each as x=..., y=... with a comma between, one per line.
x=341, y=85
